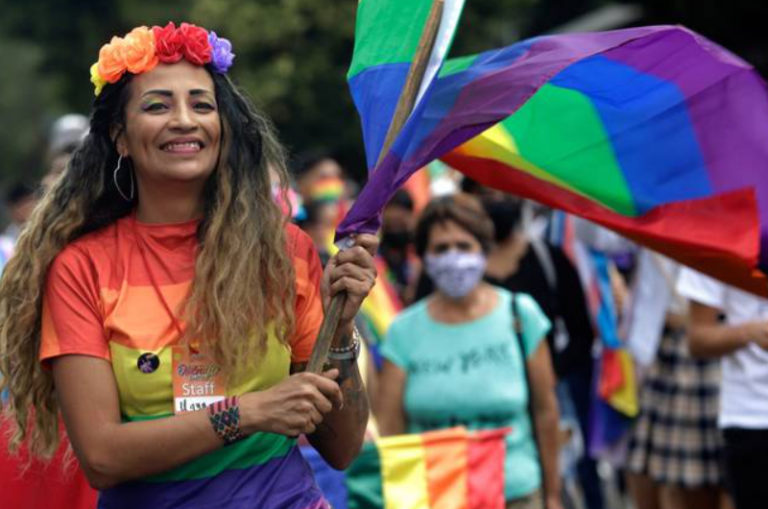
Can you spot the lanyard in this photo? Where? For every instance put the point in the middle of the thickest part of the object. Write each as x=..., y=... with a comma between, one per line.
x=140, y=244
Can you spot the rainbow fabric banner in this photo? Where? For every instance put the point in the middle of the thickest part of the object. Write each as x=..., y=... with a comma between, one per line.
x=654, y=132
x=387, y=34
x=446, y=469
x=382, y=304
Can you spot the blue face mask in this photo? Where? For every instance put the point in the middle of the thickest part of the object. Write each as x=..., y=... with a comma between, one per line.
x=454, y=273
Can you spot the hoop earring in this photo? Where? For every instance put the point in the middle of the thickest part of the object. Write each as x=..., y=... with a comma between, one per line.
x=117, y=185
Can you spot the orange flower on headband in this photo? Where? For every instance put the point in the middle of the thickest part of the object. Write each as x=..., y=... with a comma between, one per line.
x=139, y=50
x=111, y=66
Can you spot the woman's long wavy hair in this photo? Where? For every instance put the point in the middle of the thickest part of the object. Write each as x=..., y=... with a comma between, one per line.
x=241, y=270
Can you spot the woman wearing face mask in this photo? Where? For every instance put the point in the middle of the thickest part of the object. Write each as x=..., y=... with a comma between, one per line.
x=454, y=359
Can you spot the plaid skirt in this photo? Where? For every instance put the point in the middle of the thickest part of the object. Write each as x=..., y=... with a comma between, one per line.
x=675, y=439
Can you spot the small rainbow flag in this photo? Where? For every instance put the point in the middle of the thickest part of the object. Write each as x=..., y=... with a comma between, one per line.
x=446, y=469
x=615, y=401
x=329, y=189
x=382, y=304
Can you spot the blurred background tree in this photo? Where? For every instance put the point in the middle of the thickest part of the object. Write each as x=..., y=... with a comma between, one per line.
x=292, y=56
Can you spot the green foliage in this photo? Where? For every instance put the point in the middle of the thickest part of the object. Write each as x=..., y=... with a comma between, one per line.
x=46, y=48
x=24, y=100
x=292, y=57
x=488, y=24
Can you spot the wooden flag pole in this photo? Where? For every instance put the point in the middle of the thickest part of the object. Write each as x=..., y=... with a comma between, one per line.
x=410, y=92
x=405, y=104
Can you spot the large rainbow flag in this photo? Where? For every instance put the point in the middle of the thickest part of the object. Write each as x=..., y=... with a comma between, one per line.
x=445, y=469
x=655, y=132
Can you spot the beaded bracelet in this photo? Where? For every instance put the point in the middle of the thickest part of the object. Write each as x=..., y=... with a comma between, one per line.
x=349, y=352
x=225, y=419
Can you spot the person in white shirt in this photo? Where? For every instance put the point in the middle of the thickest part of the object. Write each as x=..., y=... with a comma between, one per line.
x=741, y=341
x=675, y=447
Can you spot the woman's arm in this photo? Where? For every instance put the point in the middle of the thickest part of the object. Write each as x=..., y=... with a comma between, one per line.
x=339, y=438
x=546, y=419
x=390, y=412
x=112, y=452
x=707, y=337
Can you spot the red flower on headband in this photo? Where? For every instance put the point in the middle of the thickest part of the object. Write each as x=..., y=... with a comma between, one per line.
x=197, y=49
x=169, y=43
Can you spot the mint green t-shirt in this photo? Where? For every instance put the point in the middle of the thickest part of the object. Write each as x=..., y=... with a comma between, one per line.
x=471, y=375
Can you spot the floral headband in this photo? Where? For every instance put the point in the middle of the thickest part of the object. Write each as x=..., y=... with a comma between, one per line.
x=143, y=48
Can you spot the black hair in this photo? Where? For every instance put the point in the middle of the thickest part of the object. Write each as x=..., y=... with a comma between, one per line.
x=506, y=215
x=311, y=214
x=402, y=198
x=470, y=186
x=308, y=160
x=18, y=192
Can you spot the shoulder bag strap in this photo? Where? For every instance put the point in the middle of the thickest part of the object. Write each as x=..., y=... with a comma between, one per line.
x=517, y=326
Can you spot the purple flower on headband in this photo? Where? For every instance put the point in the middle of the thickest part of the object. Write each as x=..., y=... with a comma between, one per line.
x=221, y=52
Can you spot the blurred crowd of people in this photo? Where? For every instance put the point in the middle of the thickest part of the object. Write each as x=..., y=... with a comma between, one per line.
x=696, y=435
x=695, y=438
x=502, y=322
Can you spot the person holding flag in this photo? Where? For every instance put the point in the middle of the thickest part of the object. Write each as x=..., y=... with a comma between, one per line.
x=160, y=300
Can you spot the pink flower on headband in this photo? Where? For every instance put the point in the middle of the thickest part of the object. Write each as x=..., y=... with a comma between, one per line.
x=197, y=49
x=221, y=52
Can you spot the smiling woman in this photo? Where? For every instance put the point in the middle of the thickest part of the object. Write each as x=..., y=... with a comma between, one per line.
x=172, y=133
x=159, y=299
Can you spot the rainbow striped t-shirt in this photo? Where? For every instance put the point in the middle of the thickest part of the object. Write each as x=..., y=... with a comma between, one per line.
x=100, y=301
